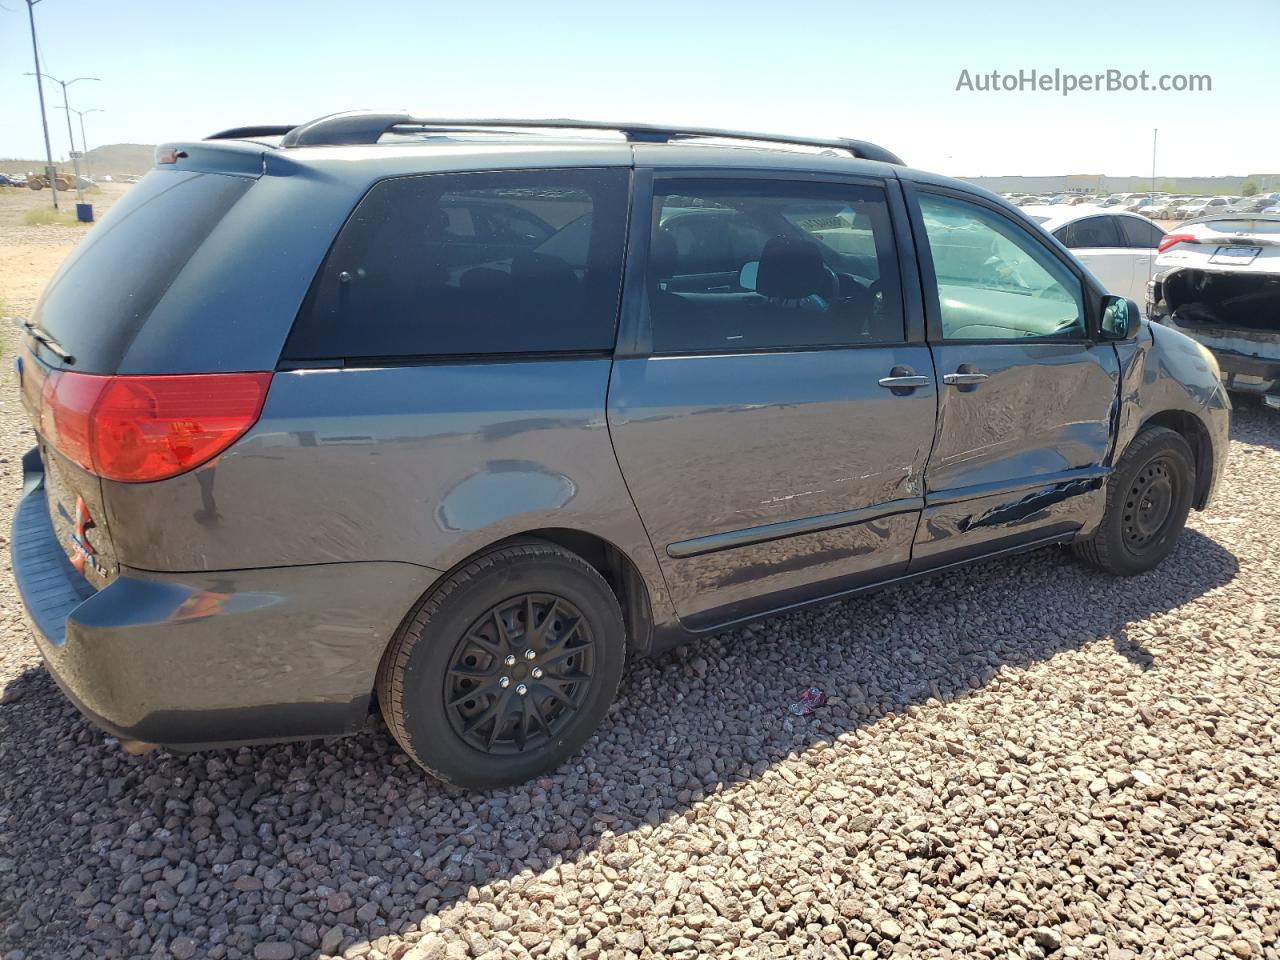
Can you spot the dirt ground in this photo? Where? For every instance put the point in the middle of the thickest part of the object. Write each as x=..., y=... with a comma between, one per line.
x=30, y=254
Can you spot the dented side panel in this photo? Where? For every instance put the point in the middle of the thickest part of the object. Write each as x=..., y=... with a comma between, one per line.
x=1020, y=456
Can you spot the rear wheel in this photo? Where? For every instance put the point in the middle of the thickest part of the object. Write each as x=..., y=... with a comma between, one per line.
x=506, y=668
x=1148, y=498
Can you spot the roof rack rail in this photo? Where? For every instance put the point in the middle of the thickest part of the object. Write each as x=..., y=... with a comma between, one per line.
x=247, y=133
x=358, y=126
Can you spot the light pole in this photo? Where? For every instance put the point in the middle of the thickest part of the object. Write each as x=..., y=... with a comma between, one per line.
x=84, y=143
x=44, y=121
x=75, y=161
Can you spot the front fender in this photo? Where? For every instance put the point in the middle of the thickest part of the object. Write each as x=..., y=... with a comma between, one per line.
x=1168, y=378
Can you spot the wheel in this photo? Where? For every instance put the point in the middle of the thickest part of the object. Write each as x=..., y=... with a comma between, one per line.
x=1148, y=498
x=503, y=671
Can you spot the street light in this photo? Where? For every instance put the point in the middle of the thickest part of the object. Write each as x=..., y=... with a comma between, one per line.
x=84, y=144
x=44, y=121
x=75, y=161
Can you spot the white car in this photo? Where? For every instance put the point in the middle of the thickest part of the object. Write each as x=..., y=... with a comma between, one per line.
x=1202, y=207
x=1116, y=246
x=1218, y=281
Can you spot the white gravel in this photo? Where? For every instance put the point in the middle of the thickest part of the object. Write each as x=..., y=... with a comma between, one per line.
x=1024, y=759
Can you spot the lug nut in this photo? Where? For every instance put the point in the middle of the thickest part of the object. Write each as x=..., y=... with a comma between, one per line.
x=537, y=673
x=529, y=654
x=510, y=660
x=521, y=689
x=504, y=682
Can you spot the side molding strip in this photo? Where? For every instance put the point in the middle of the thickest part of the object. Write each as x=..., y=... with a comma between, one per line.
x=790, y=528
x=941, y=498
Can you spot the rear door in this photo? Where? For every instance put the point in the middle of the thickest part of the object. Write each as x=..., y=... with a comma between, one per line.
x=1097, y=243
x=772, y=399
x=1141, y=238
x=1024, y=414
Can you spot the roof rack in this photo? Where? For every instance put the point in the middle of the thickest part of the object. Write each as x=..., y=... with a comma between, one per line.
x=365, y=127
x=248, y=133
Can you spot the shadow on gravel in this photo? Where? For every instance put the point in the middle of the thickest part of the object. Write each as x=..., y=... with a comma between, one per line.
x=1253, y=423
x=102, y=853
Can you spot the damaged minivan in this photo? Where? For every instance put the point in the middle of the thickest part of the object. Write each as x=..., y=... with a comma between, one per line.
x=1217, y=280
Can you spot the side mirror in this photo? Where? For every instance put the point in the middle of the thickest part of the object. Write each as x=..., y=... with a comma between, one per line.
x=747, y=275
x=1121, y=318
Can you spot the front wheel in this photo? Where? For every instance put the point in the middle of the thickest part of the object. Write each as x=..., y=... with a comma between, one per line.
x=505, y=668
x=1148, y=498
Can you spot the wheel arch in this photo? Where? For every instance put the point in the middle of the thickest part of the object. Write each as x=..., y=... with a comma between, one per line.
x=619, y=572
x=609, y=560
x=1192, y=429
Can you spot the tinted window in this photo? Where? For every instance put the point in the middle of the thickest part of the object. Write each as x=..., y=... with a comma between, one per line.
x=757, y=264
x=995, y=281
x=1140, y=233
x=1090, y=232
x=113, y=279
x=511, y=262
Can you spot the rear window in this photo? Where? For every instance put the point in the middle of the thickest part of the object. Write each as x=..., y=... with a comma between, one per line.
x=1140, y=233
x=109, y=284
x=476, y=263
x=1090, y=233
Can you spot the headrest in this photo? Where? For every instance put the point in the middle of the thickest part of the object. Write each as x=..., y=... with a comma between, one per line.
x=791, y=269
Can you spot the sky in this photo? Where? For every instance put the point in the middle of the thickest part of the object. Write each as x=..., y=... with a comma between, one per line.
x=871, y=69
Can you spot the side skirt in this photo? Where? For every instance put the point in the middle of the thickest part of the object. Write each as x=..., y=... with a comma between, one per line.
x=668, y=636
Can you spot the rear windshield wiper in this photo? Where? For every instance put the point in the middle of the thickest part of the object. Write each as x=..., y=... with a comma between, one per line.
x=41, y=335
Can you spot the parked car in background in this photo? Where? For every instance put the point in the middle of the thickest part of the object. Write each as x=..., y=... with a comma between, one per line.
x=1249, y=205
x=1136, y=204
x=1118, y=247
x=1202, y=207
x=1217, y=280
x=7, y=181
x=1164, y=208
x=490, y=413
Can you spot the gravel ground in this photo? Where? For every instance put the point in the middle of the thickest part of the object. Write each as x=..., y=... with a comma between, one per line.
x=1023, y=759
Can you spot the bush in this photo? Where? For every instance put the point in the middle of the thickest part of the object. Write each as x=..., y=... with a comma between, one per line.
x=47, y=216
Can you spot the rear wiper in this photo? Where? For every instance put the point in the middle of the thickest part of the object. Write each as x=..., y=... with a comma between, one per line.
x=41, y=335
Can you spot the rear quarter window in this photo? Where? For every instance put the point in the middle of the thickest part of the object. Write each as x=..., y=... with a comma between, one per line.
x=99, y=298
x=473, y=263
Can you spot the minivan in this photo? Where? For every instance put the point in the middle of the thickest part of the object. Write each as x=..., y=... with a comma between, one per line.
x=455, y=417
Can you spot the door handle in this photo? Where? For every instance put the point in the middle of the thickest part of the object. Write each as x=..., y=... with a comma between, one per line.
x=909, y=380
x=902, y=380
x=966, y=377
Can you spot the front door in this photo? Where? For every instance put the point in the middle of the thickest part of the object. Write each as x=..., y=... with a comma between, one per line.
x=773, y=406
x=1027, y=397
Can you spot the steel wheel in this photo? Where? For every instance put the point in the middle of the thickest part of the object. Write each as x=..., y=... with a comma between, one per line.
x=1148, y=505
x=519, y=674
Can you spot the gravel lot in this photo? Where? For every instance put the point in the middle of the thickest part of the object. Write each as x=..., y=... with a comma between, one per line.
x=1024, y=759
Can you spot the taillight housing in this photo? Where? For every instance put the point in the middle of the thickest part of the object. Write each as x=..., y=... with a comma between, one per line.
x=1172, y=239
x=140, y=429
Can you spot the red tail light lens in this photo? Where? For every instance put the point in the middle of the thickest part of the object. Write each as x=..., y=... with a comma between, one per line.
x=1171, y=239
x=139, y=429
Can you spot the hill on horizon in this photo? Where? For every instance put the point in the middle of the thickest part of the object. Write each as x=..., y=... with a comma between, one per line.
x=113, y=158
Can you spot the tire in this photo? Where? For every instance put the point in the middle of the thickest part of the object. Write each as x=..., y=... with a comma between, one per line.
x=469, y=633
x=1148, y=499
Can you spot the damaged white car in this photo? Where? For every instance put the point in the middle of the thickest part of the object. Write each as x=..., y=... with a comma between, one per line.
x=1217, y=279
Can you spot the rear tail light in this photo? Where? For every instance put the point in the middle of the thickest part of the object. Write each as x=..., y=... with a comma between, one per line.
x=138, y=429
x=1171, y=239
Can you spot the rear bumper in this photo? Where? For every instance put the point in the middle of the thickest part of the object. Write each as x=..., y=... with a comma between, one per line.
x=191, y=660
